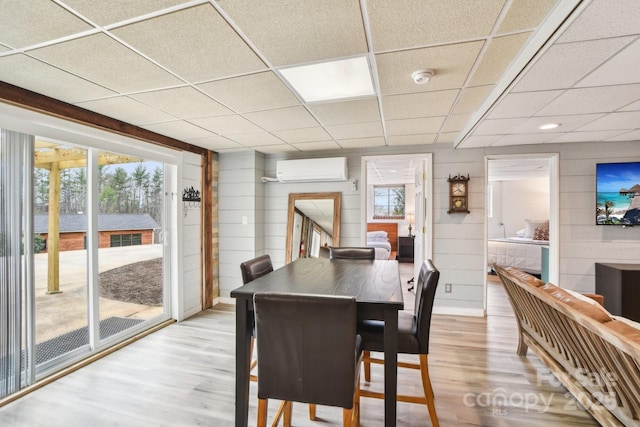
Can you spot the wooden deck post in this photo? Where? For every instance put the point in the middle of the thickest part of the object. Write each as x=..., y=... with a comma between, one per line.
x=53, y=237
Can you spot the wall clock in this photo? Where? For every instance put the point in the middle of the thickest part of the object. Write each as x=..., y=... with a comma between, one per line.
x=458, y=194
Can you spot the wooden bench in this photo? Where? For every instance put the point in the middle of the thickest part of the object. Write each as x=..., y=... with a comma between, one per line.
x=594, y=354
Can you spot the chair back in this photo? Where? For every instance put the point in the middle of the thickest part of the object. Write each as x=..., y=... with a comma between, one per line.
x=308, y=350
x=351, y=253
x=425, y=294
x=255, y=268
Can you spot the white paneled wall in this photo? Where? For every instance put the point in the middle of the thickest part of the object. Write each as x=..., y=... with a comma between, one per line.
x=241, y=214
x=458, y=240
x=191, y=237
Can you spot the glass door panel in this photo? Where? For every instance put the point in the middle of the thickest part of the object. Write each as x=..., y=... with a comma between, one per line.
x=130, y=231
x=60, y=253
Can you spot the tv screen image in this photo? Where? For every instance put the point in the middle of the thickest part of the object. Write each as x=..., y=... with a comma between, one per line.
x=618, y=193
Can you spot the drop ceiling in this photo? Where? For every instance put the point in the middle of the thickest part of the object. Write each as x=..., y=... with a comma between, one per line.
x=207, y=72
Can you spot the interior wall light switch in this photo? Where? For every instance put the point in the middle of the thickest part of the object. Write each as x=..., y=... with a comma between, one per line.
x=244, y=220
x=354, y=185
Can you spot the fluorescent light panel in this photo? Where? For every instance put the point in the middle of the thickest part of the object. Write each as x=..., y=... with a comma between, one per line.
x=344, y=78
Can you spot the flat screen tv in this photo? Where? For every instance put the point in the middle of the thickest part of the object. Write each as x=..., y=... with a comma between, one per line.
x=618, y=193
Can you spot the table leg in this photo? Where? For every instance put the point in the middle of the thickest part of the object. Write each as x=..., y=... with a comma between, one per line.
x=390, y=366
x=243, y=361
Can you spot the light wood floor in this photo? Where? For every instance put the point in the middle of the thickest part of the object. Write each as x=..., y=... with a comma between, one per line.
x=183, y=375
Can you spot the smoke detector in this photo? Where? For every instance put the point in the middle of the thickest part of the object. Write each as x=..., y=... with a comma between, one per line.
x=421, y=77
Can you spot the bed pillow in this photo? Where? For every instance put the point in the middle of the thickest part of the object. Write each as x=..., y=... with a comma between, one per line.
x=530, y=226
x=541, y=234
x=377, y=235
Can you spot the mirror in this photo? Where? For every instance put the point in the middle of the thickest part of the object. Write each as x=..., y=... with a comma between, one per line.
x=313, y=224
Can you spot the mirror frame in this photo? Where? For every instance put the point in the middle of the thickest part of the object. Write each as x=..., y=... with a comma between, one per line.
x=336, y=197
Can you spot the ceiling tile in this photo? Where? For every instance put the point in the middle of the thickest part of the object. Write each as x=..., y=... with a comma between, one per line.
x=478, y=141
x=629, y=136
x=234, y=150
x=451, y=65
x=423, y=104
x=523, y=139
x=356, y=130
x=215, y=143
x=497, y=126
x=455, y=123
x=307, y=31
x=353, y=111
x=4, y=48
x=196, y=43
x=567, y=123
x=522, y=104
x=272, y=149
x=525, y=15
x=23, y=71
x=362, y=142
x=497, y=58
x=622, y=18
x=283, y=118
x=614, y=121
x=472, y=98
x=105, y=12
x=179, y=129
x=592, y=100
x=565, y=64
x=255, y=139
x=104, y=61
x=227, y=125
x=414, y=126
x=411, y=139
x=254, y=92
x=634, y=106
x=128, y=110
x=623, y=68
x=317, y=146
x=26, y=26
x=446, y=137
x=587, y=136
x=428, y=22
x=184, y=102
x=295, y=136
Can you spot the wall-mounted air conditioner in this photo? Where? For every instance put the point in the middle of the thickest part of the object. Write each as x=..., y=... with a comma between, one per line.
x=329, y=169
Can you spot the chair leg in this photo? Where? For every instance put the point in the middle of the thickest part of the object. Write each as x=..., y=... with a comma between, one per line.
x=262, y=412
x=312, y=411
x=288, y=409
x=366, y=355
x=428, y=389
x=347, y=415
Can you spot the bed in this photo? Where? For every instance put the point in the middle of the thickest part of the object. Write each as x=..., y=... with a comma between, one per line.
x=524, y=250
x=383, y=237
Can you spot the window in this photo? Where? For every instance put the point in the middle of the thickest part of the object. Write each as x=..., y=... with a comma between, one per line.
x=125, y=239
x=388, y=202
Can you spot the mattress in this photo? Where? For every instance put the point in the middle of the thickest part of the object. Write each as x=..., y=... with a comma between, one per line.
x=382, y=248
x=520, y=252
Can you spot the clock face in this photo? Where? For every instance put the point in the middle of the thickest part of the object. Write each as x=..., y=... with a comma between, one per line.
x=458, y=189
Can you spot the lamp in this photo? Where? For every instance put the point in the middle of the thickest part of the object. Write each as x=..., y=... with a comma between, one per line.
x=409, y=218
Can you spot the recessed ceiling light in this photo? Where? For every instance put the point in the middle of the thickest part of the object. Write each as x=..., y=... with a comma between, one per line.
x=548, y=126
x=421, y=77
x=344, y=78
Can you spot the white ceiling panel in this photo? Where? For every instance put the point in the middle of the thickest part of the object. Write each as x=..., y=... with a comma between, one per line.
x=192, y=68
x=104, y=61
x=627, y=136
x=196, y=43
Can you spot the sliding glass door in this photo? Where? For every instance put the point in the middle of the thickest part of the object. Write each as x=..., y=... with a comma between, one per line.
x=83, y=262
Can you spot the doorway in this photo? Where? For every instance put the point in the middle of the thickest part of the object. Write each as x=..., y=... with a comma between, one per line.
x=522, y=214
x=411, y=176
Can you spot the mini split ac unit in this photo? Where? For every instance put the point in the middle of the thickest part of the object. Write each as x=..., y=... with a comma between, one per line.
x=329, y=169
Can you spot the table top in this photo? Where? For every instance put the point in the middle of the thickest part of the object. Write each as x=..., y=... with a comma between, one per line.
x=370, y=282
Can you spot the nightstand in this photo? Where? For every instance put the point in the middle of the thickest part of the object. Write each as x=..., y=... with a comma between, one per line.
x=405, y=249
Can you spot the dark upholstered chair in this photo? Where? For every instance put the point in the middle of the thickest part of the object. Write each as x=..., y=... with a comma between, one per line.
x=352, y=253
x=413, y=338
x=251, y=270
x=309, y=352
x=255, y=268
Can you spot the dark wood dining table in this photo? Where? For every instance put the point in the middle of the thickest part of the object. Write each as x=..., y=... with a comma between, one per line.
x=375, y=285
